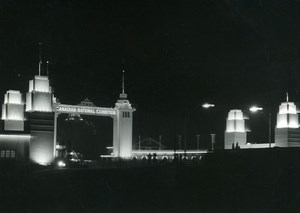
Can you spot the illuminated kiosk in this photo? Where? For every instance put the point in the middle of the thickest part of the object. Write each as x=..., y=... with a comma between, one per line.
x=287, y=131
x=121, y=114
x=14, y=143
x=235, y=129
x=39, y=107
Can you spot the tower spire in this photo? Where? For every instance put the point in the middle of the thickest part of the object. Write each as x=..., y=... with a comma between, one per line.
x=287, y=97
x=123, y=83
x=48, y=68
x=123, y=95
x=40, y=58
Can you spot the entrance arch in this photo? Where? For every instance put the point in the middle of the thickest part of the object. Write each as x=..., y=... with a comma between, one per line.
x=121, y=114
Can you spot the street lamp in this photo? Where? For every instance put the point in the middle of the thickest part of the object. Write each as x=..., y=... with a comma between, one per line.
x=187, y=115
x=255, y=109
x=207, y=105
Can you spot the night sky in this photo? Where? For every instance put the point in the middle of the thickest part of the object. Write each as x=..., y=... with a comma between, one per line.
x=177, y=55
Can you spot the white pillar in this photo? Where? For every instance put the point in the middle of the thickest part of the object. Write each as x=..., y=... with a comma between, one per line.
x=55, y=133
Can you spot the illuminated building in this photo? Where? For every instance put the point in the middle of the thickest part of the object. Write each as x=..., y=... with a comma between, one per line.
x=122, y=141
x=14, y=148
x=122, y=132
x=121, y=114
x=14, y=142
x=39, y=102
x=287, y=131
x=235, y=133
x=41, y=112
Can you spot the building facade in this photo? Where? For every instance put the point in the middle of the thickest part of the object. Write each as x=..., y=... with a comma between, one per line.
x=29, y=127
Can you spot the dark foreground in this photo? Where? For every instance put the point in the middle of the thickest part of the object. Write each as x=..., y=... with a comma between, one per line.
x=241, y=181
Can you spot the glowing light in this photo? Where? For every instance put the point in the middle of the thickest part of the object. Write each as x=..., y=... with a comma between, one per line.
x=207, y=105
x=85, y=110
x=167, y=152
x=41, y=158
x=61, y=164
x=255, y=109
x=16, y=136
x=107, y=156
x=14, y=119
x=60, y=146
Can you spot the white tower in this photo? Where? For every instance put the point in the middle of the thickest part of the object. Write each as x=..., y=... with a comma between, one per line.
x=39, y=106
x=235, y=129
x=123, y=126
x=287, y=132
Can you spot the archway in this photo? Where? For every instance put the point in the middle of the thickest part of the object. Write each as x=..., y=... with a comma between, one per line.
x=122, y=123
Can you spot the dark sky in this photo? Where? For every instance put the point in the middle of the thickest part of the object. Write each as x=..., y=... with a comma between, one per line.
x=177, y=55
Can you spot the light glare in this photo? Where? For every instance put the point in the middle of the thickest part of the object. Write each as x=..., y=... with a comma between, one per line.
x=255, y=109
x=61, y=164
x=207, y=105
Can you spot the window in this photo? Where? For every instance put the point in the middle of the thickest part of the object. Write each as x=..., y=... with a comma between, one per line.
x=126, y=114
x=2, y=155
x=7, y=154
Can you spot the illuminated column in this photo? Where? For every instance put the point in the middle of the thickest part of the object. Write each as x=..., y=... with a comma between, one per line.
x=39, y=105
x=123, y=128
x=116, y=135
x=235, y=129
x=55, y=133
x=13, y=111
x=287, y=132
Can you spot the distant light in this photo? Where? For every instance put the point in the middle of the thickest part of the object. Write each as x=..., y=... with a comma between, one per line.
x=207, y=105
x=61, y=164
x=167, y=152
x=16, y=136
x=60, y=146
x=255, y=109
